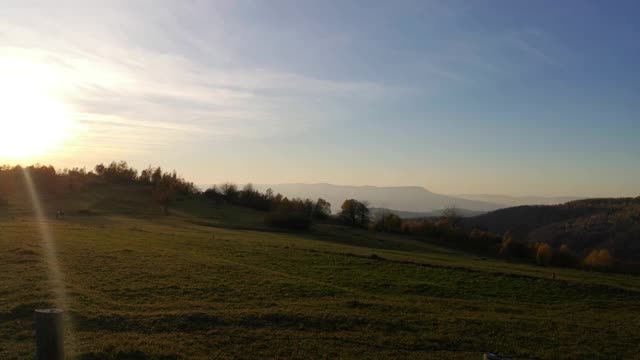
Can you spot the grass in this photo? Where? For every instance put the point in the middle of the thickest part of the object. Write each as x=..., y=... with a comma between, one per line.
x=212, y=282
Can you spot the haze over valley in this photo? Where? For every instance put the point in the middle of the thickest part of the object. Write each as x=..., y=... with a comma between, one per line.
x=408, y=198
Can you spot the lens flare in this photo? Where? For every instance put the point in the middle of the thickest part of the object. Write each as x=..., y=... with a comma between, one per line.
x=50, y=255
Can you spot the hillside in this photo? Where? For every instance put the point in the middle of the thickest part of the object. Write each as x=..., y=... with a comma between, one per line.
x=511, y=201
x=612, y=224
x=211, y=281
x=421, y=215
x=404, y=198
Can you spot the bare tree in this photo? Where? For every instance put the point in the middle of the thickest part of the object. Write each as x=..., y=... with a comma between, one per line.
x=452, y=216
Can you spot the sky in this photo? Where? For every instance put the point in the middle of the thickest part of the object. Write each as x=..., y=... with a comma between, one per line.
x=486, y=97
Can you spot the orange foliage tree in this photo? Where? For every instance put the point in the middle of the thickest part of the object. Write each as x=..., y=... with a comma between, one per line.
x=543, y=254
x=599, y=259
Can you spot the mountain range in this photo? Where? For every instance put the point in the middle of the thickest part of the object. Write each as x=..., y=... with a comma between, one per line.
x=402, y=198
x=407, y=199
x=509, y=201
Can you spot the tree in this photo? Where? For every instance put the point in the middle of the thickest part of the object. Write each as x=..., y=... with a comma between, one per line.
x=363, y=213
x=248, y=195
x=269, y=194
x=451, y=216
x=117, y=172
x=387, y=221
x=510, y=247
x=145, y=175
x=230, y=192
x=322, y=209
x=543, y=254
x=348, y=211
x=213, y=193
x=292, y=214
x=164, y=192
x=156, y=176
x=599, y=259
x=354, y=212
x=99, y=169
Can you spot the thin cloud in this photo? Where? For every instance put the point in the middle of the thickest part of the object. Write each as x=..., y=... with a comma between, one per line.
x=160, y=99
x=526, y=46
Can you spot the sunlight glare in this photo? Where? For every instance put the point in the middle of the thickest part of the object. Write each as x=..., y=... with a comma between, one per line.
x=32, y=120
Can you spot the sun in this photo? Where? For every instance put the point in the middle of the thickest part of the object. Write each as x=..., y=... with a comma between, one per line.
x=32, y=121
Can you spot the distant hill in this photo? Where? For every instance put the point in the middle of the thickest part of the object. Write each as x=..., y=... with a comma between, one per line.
x=428, y=214
x=402, y=198
x=612, y=224
x=509, y=201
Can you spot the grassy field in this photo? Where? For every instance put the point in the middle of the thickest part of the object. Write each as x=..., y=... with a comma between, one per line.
x=212, y=282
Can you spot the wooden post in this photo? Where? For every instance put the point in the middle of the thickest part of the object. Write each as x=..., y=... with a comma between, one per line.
x=49, y=334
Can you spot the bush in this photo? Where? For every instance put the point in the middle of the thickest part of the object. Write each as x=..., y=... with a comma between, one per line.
x=388, y=222
x=512, y=248
x=543, y=254
x=419, y=227
x=484, y=240
x=599, y=259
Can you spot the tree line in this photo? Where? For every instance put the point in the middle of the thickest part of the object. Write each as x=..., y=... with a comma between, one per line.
x=298, y=213
x=295, y=213
x=448, y=230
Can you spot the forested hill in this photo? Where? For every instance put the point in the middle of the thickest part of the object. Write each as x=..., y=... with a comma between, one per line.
x=612, y=224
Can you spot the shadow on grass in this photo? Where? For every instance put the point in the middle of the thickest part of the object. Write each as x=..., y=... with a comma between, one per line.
x=23, y=311
x=122, y=355
x=196, y=322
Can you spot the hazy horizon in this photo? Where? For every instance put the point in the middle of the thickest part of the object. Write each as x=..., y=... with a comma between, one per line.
x=493, y=97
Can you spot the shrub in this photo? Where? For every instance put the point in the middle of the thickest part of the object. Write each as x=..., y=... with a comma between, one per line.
x=599, y=259
x=513, y=248
x=418, y=227
x=389, y=222
x=484, y=240
x=543, y=254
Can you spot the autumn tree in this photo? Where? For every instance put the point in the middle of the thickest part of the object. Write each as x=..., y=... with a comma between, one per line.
x=599, y=259
x=544, y=253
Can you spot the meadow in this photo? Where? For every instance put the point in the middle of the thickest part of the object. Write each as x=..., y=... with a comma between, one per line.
x=211, y=281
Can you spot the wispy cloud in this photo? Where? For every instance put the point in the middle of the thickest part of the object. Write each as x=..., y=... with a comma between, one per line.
x=122, y=95
x=526, y=44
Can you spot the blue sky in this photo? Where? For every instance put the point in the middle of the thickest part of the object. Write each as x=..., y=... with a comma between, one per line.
x=500, y=97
